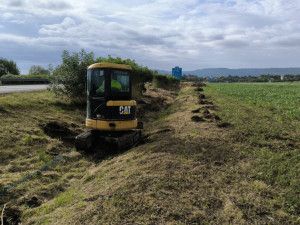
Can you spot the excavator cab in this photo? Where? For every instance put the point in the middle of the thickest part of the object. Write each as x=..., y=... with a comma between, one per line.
x=111, y=112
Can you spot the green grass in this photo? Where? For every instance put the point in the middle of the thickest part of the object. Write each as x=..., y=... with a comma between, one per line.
x=25, y=148
x=280, y=97
x=266, y=125
x=194, y=173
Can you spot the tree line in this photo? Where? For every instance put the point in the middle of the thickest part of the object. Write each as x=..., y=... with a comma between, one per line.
x=9, y=67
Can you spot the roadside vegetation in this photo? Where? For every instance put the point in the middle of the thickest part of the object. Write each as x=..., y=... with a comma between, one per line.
x=26, y=147
x=8, y=67
x=207, y=157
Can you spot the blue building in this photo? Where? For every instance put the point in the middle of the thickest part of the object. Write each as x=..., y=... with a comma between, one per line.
x=177, y=72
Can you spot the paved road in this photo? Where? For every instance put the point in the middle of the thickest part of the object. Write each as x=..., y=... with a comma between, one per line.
x=21, y=88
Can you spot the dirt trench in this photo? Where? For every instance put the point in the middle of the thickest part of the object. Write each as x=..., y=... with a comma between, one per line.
x=11, y=216
x=61, y=131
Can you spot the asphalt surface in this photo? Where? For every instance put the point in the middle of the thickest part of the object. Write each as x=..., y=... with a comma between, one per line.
x=22, y=88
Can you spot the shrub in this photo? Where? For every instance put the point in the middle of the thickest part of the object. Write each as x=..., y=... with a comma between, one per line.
x=166, y=82
x=8, y=67
x=36, y=70
x=70, y=77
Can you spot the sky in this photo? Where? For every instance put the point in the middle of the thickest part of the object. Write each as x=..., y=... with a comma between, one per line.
x=159, y=34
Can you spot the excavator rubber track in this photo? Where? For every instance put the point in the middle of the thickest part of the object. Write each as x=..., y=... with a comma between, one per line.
x=94, y=141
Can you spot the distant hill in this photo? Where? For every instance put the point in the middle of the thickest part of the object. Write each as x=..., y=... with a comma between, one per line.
x=238, y=72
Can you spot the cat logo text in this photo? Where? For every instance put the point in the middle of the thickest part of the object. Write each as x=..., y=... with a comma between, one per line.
x=124, y=110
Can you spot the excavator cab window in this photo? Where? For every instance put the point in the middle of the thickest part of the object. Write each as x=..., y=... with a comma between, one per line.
x=89, y=81
x=98, y=81
x=119, y=81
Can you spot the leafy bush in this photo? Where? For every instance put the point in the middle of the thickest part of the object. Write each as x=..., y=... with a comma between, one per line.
x=166, y=82
x=36, y=70
x=70, y=77
x=8, y=67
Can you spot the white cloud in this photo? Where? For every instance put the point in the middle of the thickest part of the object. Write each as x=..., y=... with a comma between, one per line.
x=17, y=21
x=179, y=31
x=7, y=15
x=59, y=29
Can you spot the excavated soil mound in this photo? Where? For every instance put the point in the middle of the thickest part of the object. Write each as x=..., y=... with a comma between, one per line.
x=224, y=125
x=199, y=89
x=201, y=96
x=204, y=102
x=197, y=119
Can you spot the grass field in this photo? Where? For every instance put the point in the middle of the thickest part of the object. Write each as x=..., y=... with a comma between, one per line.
x=185, y=172
x=266, y=120
x=280, y=97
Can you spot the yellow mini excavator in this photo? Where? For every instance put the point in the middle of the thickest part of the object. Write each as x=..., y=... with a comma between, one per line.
x=111, y=112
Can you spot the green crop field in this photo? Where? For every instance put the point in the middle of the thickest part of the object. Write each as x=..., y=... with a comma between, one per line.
x=282, y=97
x=266, y=121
